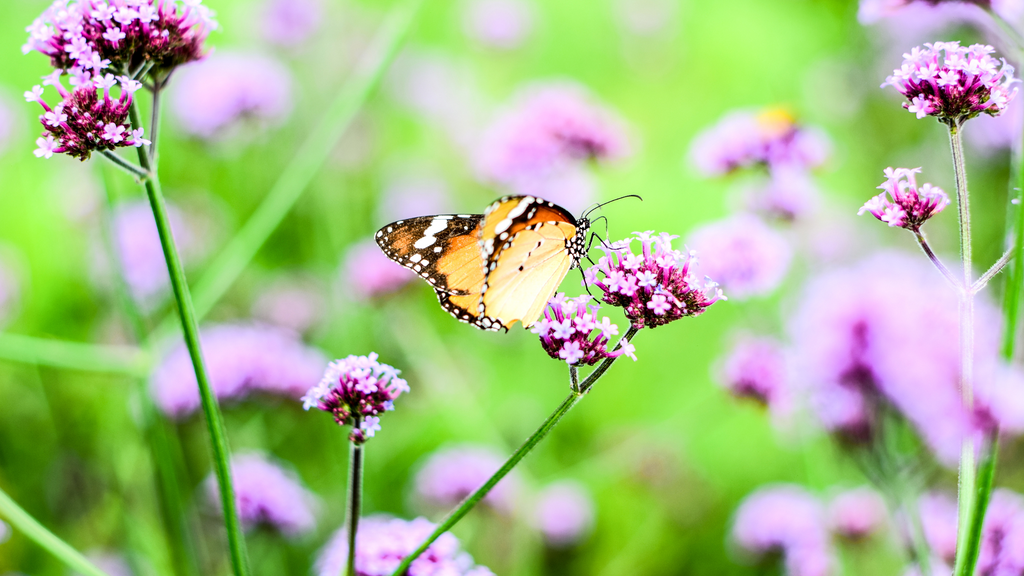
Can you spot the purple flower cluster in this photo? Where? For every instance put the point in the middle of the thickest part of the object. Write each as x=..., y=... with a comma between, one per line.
x=743, y=254
x=368, y=273
x=289, y=22
x=743, y=139
x=871, y=11
x=756, y=368
x=856, y=514
x=383, y=542
x=1002, y=534
x=266, y=494
x=786, y=519
x=85, y=121
x=138, y=247
x=654, y=287
x=567, y=326
x=451, y=474
x=85, y=37
x=910, y=206
x=564, y=513
x=240, y=359
x=356, y=390
x=953, y=83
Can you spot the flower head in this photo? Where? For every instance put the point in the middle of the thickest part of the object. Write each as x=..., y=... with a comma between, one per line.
x=785, y=519
x=266, y=494
x=910, y=206
x=369, y=273
x=93, y=35
x=757, y=368
x=87, y=119
x=567, y=327
x=564, y=513
x=383, y=542
x=655, y=286
x=140, y=252
x=856, y=514
x=502, y=24
x=953, y=83
x=451, y=474
x=356, y=390
x=289, y=22
x=771, y=138
x=743, y=254
x=241, y=359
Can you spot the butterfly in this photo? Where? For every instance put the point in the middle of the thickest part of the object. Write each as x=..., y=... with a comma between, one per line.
x=496, y=268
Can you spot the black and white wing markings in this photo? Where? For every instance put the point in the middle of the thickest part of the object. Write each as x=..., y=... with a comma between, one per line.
x=464, y=309
x=442, y=249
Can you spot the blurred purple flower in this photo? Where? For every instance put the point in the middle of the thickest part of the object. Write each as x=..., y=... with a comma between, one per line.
x=871, y=11
x=411, y=195
x=991, y=133
x=240, y=359
x=654, y=287
x=771, y=138
x=953, y=83
x=290, y=22
x=939, y=519
x=139, y=249
x=383, y=542
x=368, y=273
x=756, y=367
x=856, y=514
x=211, y=96
x=356, y=390
x=440, y=90
x=564, y=513
x=1002, y=534
x=8, y=123
x=266, y=494
x=786, y=519
x=9, y=291
x=787, y=194
x=502, y=24
x=111, y=563
x=546, y=127
x=451, y=474
x=910, y=206
x=645, y=17
x=295, y=305
x=742, y=254
x=567, y=326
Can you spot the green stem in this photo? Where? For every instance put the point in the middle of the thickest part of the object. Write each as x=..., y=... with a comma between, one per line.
x=923, y=242
x=136, y=172
x=74, y=355
x=473, y=499
x=190, y=327
x=968, y=515
x=36, y=532
x=989, y=274
x=304, y=166
x=355, y=497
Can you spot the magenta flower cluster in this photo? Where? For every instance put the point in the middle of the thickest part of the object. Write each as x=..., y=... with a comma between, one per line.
x=911, y=205
x=267, y=494
x=756, y=368
x=746, y=256
x=451, y=474
x=654, y=287
x=743, y=139
x=85, y=37
x=567, y=327
x=953, y=83
x=356, y=390
x=383, y=542
x=87, y=119
x=1002, y=533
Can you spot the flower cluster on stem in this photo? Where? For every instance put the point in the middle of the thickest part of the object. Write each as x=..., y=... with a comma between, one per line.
x=567, y=326
x=356, y=390
x=654, y=287
x=953, y=83
x=911, y=205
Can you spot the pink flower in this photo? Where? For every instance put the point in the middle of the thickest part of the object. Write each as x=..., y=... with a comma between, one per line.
x=140, y=252
x=567, y=327
x=293, y=304
x=368, y=273
x=911, y=206
x=743, y=139
x=209, y=97
x=383, y=542
x=290, y=22
x=789, y=193
x=240, y=359
x=266, y=494
x=503, y=24
x=756, y=368
x=953, y=83
x=451, y=474
x=856, y=514
x=742, y=254
x=785, y=518
x=564, y=513
x=85, y=120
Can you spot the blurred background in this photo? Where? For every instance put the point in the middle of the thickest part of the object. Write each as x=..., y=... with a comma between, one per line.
x=651, y=466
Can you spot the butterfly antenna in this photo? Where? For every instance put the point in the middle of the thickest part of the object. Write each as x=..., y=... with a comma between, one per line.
x=589, y=210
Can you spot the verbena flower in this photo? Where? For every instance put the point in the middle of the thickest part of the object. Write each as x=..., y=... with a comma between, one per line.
x=785, y=519
x=1002, y=533
x=871, y=11
x=567, y=327
x=87, y=119
x=294, y=304
x=953, y=83
x=938, y=513
x=266, y=494
x=240, y=360
x=856, y=514
x=787, y=194
x=655, y=286
x=8, y=123
x=289, y=22
x=367, y=273
x=383, y=542
x=228, y=88
x=502, y=24
x=756, y=368
x=911, y=206
x=450, y=474
x=564, y=513
x=744, y=139
x=87, y=37
x=743, y=254
x=141, y=255
x=356, y=390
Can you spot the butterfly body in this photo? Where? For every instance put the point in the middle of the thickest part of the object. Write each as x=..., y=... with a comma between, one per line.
x=495, y=268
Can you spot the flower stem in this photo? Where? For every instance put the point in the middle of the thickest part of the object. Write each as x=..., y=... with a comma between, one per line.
x=190, y=327
x=473, y=499
x=355, y=497
x=136, y=172
x=935, y=260
x=36, y=532
x=574, y=378
x=989, y=274
x=967, y=511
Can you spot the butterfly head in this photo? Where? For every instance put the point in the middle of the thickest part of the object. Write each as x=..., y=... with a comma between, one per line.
x=577, y=245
